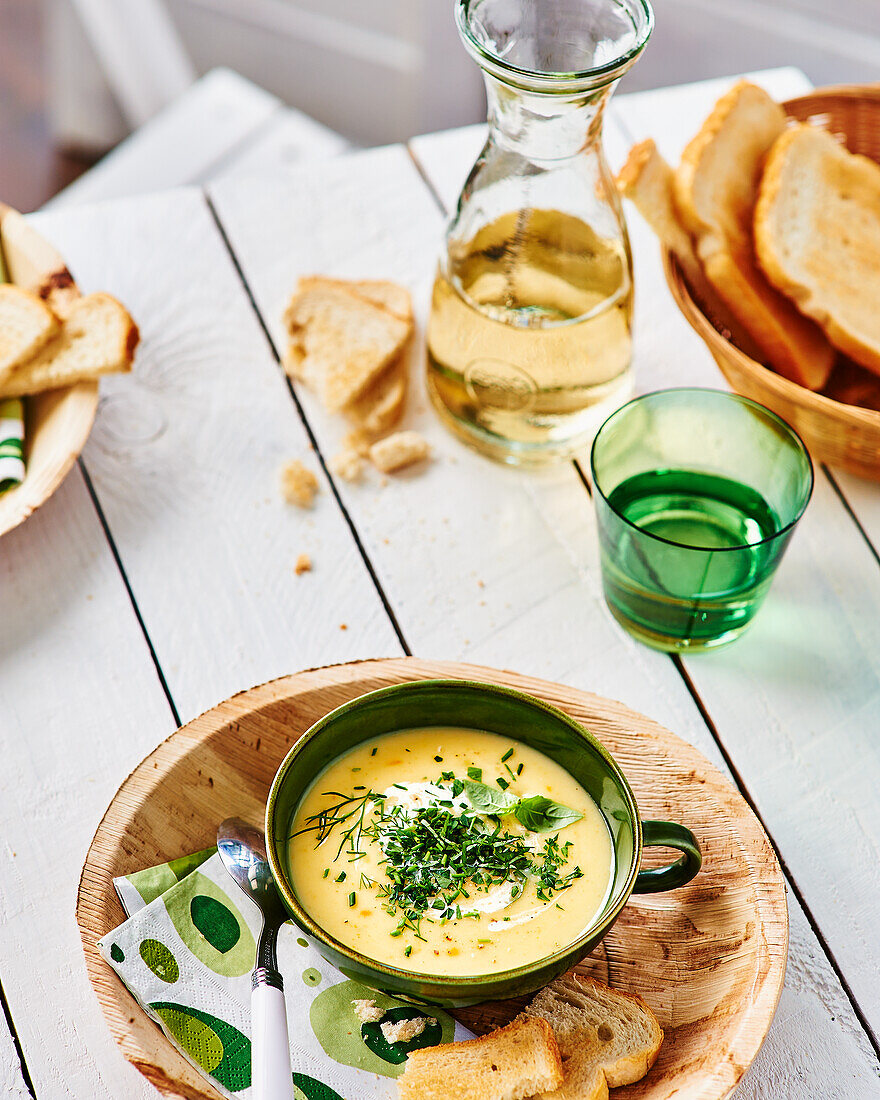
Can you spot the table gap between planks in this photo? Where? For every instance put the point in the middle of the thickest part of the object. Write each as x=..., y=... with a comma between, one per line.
x=475, y=562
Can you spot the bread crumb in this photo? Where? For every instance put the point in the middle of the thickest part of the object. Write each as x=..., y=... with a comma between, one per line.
x=303, y=565
x=358, y=441
x=399, y=450
x=405, y=1030
x=368, y=1012
x=298, y=484
x=348, y=464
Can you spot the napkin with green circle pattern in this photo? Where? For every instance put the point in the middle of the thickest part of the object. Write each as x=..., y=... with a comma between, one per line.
x=186, y=954
x=11, y=443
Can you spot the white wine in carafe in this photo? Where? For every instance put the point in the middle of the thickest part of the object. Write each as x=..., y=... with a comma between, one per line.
x=529, y=340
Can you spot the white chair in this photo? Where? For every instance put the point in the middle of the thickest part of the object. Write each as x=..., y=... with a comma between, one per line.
x=185, y=130
x=377, y=72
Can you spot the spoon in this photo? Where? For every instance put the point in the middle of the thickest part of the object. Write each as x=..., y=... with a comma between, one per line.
x=243, y=851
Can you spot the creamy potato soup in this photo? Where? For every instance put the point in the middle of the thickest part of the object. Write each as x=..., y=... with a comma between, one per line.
x=450, y=851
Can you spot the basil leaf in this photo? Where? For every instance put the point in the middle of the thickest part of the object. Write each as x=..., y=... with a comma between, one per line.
x=542, y=815
x=488, y=800
x=475, y=773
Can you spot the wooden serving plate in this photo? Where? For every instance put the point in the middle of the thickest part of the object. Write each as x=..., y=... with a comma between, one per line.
x=709, y=958
x=58, y=422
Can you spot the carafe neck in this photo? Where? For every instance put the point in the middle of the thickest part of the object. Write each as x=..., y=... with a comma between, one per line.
x=544, y=126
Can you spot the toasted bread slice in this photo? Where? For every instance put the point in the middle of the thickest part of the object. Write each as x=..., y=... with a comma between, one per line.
x=389, y=296
x=339, y=342
x=379, y=407
x=513, y=1062
x=599, y=1031
x=648, y=181
x=26, y=325
x=817, y=236
x=98, y=337
x=716, y=187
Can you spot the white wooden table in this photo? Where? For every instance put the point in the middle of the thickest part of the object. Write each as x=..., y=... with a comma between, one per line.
x=160, y=580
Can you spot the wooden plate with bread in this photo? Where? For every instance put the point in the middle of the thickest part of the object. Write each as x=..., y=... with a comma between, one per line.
x=707, y=960
x=770, y=229
x=53, y=345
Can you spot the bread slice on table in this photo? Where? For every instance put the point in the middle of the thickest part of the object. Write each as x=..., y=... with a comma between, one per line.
x=389, y=296
x=98, y=337
x=606, y=1038
x=380, y=406
x=26, y=325
x=716, y=188
x=517, y=1061
x=817, y=235
x=339, y=341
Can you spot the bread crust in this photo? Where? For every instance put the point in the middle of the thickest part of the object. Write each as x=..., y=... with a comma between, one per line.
x=829, y=301
x=417, y=1081
x=590, y=1067
x=28, y=325
x=111, y=341
x=716, y=186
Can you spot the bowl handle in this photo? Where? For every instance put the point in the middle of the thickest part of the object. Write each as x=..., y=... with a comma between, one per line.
x=666, y=834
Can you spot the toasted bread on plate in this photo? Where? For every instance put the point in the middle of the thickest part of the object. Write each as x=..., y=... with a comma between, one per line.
x=606, y=1037
x=97, y=337
x=514, y=1062
x=817, y=236
x=26, y=325
x=716, y=187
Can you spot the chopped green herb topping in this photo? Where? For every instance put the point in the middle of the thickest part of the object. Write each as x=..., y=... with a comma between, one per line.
x=434, y=855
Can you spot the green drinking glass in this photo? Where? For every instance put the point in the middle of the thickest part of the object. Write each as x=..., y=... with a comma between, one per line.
x=697, y=493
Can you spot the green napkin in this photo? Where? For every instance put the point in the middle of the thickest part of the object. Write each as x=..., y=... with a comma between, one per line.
x=11, y=443
x=186, y=954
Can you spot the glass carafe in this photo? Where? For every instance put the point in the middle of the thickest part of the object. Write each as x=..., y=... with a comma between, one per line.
x=529, y=340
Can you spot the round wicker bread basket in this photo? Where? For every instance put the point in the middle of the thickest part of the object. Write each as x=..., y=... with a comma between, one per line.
x=842, y=435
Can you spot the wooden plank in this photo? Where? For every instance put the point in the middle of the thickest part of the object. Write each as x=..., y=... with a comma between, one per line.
x=185, y=460
x=81, y=704
x=289, y=136
x=485, y=563
x=499, y=564
x=863, y=497
x=181, y=144
x=446, y=158
x=793, y=699
x=12, y=1084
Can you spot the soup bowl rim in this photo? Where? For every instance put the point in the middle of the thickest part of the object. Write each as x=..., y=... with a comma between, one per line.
x=577, y=947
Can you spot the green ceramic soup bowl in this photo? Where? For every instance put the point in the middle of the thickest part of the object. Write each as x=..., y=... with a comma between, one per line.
x=514, y=715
